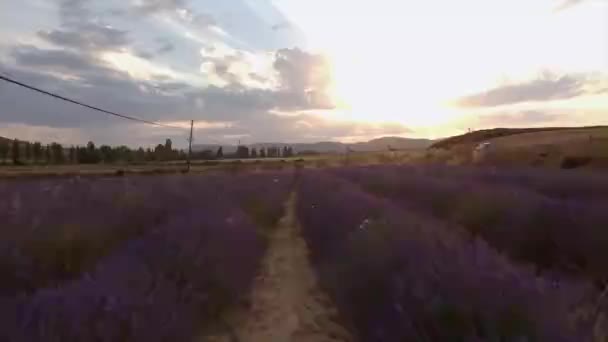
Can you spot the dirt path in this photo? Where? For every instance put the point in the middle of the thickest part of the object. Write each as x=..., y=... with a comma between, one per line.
x=287, y=304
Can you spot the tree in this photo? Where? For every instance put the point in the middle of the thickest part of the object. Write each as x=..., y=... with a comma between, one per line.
x=287, y=151
x=242, y=152
x=273, y=152
x=140, y=155
x=72, y=155
x=28, y=151
x=93, y=153
x=149, y=154
x=159, y=152
x=122, y=153
x=220, y=153
x=37, y=151
x=106, y=154
x=4, y=148
x=168, y=152
x=47, y=154
x=254, y=153
x=88, y=155
x=15, y=151
x=262, y=153
x=81, y=155
x=58, y=154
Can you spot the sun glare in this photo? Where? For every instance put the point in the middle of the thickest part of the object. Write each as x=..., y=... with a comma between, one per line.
x=407, y=63
x=367, y=89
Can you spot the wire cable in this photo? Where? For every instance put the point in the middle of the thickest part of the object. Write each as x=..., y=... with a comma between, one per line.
x=10, y=80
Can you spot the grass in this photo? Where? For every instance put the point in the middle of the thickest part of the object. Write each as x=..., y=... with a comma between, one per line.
x=566, y=148
x=489, y=134
x=9, y=171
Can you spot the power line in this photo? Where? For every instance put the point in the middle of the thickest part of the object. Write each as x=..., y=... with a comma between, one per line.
x=10, y=80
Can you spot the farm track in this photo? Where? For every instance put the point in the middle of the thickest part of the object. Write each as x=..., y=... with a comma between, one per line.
x=286, y=301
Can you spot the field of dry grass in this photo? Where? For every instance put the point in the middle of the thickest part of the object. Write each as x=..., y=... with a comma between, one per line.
x=565, y=148
x=105, y=170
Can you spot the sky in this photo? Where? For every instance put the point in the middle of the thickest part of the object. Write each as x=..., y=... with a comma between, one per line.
x=299, y=71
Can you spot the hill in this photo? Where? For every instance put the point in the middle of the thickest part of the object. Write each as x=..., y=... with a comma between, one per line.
x=380, y=144
x=565, y=147
x=398, y=143
x=489, y=134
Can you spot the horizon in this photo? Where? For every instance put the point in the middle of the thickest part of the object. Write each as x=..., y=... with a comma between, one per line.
x=280, y=70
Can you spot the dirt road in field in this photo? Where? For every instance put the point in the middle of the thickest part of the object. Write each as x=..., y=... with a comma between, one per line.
x=286, y=302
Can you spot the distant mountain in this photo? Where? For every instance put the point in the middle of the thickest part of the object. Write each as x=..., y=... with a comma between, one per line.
x=380, y=144
x=396, y=143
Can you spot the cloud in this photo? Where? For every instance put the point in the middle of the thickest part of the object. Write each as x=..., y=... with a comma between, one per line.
x=74, y=11
x=512, y=119
x=303, y=127
x=144, y=54
x=281, y=26
x=301, y=71
x=34, y=133
x=154, y=6
x=165, y=47
x=90, y=56
x=84, y=30
x=87, y=36
x=160, y=98
x=305, y=75
x=204, y=20
x=565, y=4
x=61, y=60
x=545, y=88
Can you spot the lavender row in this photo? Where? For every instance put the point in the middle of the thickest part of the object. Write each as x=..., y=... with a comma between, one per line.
x=166, y=286
x=54, y=231
x=565, y=235
x=397, y=276
x=170, y=283
x=582, y=185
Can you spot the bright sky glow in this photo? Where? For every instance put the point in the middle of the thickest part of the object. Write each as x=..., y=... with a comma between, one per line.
x=406, y=60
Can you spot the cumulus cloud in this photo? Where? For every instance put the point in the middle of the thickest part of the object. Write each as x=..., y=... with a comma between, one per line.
x=545, y=88
x=87, y=36
x=306, y=75
x=82, y=30
x=160, y=98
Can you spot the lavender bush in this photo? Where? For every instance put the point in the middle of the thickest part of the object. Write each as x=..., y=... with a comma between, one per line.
x=560, y=184
x=195, y=254
x=399, y=276
x=552, y=233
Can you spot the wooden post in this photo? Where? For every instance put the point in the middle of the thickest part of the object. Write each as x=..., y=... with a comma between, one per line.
x=190, y=143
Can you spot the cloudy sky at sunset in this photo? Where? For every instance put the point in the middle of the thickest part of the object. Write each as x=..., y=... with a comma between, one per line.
x=299, y=71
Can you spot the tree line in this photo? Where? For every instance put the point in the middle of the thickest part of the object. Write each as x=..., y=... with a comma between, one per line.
x=24, y=152
x=245, y=152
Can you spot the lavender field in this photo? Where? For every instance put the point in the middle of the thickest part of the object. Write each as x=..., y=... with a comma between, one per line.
x=130, y=259
x=403, y=253
x=460, y=254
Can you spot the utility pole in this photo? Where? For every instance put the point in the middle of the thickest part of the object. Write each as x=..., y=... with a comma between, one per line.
x=190, y=144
